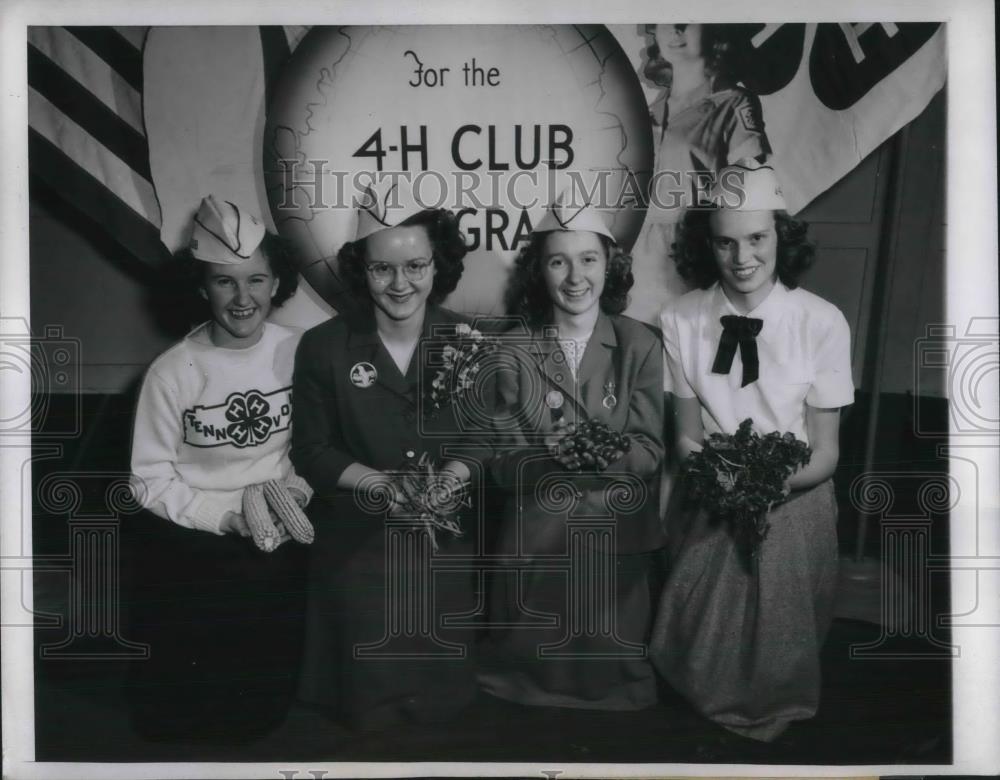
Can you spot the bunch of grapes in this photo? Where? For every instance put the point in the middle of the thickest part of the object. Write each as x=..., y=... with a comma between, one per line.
x=591, y=445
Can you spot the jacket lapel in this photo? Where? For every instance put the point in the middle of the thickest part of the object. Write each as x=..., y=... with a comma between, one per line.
x=552, y=365
x=599, y=366
x=366, y=346
x=597, y=356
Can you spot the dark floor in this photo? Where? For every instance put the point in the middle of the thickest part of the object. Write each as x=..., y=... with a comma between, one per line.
x=874, y=711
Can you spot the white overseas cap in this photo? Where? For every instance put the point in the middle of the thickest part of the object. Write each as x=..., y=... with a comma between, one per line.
x=748, y=185
x=565, y=214
x=224, y=233
x=385, y=204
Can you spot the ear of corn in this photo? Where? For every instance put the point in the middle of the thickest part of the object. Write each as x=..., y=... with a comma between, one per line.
x=298, y=488
x=263, y=531
x=283, y=505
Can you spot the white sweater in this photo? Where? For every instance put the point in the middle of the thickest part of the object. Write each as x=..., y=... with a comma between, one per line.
x=210, y=422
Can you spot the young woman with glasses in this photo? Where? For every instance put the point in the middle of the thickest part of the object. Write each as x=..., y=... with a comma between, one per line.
x=358, y=383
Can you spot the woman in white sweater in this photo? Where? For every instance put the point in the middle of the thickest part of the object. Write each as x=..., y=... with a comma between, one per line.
x=222, y=618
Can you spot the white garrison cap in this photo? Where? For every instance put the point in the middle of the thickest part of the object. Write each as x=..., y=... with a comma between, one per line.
x=748, y=185
x=566, y=214
x=224, y=233
x=385, y=204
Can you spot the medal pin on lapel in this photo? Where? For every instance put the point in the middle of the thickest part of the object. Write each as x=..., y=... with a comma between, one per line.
x=609, y=401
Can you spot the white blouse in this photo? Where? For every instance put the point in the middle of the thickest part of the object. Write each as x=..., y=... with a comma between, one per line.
x=804, y=351
x=573, y=350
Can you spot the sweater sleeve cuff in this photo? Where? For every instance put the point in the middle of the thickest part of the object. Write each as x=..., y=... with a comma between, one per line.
x=299, y=488
x=207, y=515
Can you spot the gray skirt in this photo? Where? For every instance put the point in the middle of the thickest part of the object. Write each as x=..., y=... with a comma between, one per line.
x=741, y=644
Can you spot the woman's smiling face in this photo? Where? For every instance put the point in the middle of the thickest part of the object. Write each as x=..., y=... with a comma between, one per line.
x=240, y=299
x=679, y=41
x=573, y=265
x=745, y=247
x=399, y=270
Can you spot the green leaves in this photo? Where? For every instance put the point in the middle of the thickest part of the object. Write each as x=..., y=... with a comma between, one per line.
x=739, y=477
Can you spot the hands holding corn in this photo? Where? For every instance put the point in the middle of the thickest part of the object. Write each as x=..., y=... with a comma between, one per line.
x=272, y=516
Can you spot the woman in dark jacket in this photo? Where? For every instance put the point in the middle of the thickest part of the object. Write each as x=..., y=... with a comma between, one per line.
x=377, y=648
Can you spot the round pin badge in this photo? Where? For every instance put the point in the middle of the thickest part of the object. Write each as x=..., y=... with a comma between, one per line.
x=554, y=399
x=363, y=375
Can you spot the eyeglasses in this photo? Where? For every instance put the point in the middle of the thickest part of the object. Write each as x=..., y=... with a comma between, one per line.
x=414, y=270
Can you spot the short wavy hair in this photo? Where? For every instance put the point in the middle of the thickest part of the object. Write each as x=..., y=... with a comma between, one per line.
x=447, y=243
x=281, y=259
x=696, y=261
x=718, y=49
x=528, y=297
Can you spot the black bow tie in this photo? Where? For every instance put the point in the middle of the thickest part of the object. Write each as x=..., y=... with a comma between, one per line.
x=742, y=331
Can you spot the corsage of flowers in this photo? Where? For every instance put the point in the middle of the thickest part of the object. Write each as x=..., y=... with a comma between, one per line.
x=461, y=361
x=738, y=478
x=434, y=496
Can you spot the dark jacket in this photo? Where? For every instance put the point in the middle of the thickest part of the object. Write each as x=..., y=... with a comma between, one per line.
x=339, y=421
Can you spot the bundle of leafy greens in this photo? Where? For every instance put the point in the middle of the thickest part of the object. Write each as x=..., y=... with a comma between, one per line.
x=737, y=478
x=435, y=497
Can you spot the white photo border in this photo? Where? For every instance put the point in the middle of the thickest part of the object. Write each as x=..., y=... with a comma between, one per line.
x=971, y=265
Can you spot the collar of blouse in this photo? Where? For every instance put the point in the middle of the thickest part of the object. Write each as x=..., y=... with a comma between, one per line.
x=770, y=309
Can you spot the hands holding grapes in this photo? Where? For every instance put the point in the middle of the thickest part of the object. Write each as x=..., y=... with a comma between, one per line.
x=589, y=445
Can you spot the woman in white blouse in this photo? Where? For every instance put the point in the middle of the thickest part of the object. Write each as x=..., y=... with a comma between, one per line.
x=742, y=643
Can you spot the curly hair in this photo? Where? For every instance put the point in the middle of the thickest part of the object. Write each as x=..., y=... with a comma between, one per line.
x=718, y=46
x=696, y=261
x=528, y=297
x=718, y=49
x=448, y=245
x=188, y=273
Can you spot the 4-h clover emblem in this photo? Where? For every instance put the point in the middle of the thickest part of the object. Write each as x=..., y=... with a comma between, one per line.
x=249, y=421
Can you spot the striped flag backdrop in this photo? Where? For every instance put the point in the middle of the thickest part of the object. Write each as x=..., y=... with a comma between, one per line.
x=88, y=143
x=87, y=139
